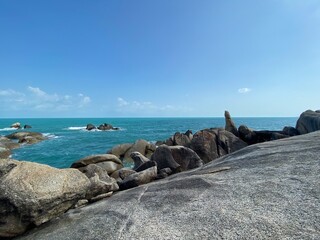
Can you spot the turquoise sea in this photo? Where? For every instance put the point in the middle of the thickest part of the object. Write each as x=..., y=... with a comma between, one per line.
x=69, y=141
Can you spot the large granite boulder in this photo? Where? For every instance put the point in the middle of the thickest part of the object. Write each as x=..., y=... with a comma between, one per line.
x=31, y=194
x=164, y=159
x=264, y=191
x=138, y=159
x=309, y=121
x=230, y=125
x=27, y=137
x=181, y=139
x=213, y=143
x=185, y=157
x=139, y=178
x=4, y=151
x=107, y=162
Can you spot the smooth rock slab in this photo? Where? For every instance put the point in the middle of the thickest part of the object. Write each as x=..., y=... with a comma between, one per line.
x=264, y=191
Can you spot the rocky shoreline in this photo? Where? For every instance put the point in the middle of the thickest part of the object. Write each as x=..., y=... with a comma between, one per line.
x=32, y=194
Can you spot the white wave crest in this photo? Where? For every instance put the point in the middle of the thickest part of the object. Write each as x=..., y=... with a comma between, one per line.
x=8, y=129
x=50, y=135
x=76, y=128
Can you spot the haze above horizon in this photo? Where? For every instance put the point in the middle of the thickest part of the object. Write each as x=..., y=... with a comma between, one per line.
x=181, y=58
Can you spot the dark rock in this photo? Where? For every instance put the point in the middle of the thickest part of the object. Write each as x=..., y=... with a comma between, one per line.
x=32, y=193
x=163, y=173
x=105, y=127
x=90, y=127
x=27, y=126
x=210, y=144
x=309, y=121
x=290, y=131
x=185, y=157
x=164, y=159
x=181, y=139
x=145, y=166
x=230, y=126
x=122, y=173
x=189, y=134
x=138, y=159
x=254, y=137
x=264, y=191
x=139, y=178
x=107, y=162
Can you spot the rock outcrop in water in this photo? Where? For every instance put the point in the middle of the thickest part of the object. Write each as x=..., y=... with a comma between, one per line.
x=268, y=190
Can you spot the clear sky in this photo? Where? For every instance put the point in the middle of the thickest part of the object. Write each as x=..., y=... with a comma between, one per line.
x=63, y=58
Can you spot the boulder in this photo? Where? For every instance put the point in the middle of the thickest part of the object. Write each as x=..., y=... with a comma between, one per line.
x=138, y=159
x=139, y=178
x=4, y=151
x=164, y=159
x=213, y=143
x=230, y=125
x=32, y=193
x=100, y=182
x=181, y=139
x=141, y=146
x=264, y=191
x=309, y=121
x=8, y=143
x=26, y=126
x=16, y=125
x=185, y=157
x=163, y=173
x=107, y=162
x=90, y=127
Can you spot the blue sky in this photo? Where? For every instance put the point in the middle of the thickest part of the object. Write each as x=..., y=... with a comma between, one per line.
x=117, y=58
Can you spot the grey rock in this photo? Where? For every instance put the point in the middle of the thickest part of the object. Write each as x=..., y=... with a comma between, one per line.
x=108, y=162
x=139, y=178
x=163, y=173
x=120, y=150
x=26, y=126
x=16, y=125
x=309, y=121
x=105, y=127
x=185, y=157
x=138, y=159
x=122, y=173
x=230, y=125
x=290, y=131
x=264, y=191
x=32, y=193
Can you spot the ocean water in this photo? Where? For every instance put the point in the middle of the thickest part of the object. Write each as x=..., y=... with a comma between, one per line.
x=69, y=141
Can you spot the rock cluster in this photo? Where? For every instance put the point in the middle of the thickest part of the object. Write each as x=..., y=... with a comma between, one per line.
x=102, y=127
x=17, y=125
x=31, y=193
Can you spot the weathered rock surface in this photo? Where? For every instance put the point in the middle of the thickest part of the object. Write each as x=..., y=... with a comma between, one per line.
x=122, y=173
x=230, y=125
x=106, y=126
x=264, y=191
x=309, y=121
x=212, y=143
x=107, y=162
x=31, y=194
x=181, y=139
